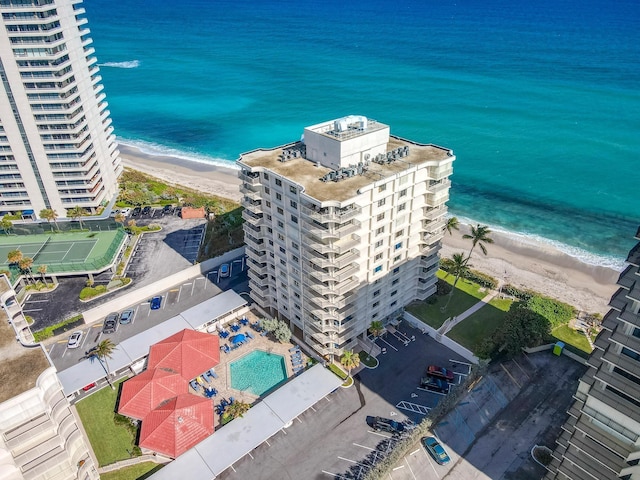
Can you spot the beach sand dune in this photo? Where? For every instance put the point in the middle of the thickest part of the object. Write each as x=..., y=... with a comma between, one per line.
x=524, y=263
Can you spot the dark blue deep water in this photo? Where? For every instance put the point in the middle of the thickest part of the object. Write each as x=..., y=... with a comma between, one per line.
x=539, y=100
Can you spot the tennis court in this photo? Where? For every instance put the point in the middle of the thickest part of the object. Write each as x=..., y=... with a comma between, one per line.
x=65, y=251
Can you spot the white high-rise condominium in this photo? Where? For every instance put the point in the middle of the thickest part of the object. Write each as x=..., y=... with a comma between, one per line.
x=343, y=228
x=57, y=147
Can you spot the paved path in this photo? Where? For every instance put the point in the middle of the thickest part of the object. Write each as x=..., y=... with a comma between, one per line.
x=449, y=324
x=132, y=461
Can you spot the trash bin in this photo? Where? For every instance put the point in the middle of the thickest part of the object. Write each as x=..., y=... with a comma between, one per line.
x=557, y=348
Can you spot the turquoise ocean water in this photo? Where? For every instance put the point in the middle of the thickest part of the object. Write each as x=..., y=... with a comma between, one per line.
x=539, y=100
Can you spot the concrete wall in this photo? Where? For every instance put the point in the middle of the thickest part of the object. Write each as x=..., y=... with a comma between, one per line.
x=444, y=340
x=98, y=313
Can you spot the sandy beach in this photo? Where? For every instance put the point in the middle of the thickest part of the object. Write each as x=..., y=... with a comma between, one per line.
x=524, y=263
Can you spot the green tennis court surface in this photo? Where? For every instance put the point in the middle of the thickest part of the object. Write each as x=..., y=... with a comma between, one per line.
x=65, y=252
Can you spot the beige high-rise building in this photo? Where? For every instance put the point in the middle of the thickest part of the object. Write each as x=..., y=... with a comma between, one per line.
x=40, y=437
x=57, y=147
x=601, y=438
x=343, y=228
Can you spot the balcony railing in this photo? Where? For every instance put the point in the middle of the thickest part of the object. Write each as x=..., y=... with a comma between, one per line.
x=250, y=178
x=338, y=215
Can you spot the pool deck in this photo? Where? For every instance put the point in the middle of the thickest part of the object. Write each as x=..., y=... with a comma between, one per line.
x=265, y=343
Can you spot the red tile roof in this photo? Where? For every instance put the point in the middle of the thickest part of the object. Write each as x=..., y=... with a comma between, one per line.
x=188, y=352
x=144, y=392
x=177, y=425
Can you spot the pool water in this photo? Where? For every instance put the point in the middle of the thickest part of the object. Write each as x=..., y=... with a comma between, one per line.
x=258, y=372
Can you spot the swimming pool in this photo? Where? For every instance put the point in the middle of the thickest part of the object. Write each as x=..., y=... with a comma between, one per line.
x=258, y=372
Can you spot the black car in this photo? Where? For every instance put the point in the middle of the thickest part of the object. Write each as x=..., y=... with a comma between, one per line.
x=387, y=425
x=110, y=323
x=136, y=211
x=435, y=384
x=146, y=210
x=167, y=210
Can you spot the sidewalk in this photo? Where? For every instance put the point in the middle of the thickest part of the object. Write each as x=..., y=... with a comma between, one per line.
x=132, y=461
x=452, y=322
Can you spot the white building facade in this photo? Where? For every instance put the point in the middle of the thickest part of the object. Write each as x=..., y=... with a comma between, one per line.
x=57, y=147
x=343, y=228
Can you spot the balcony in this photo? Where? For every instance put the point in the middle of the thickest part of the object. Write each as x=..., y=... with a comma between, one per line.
x=337, y=262
x=250, y=178
x=257, y=257
x=334, y=302
x=336, y=289
x=252, y=218
x=323, y=215
x=254, y=206
x=258, y=268
x=249, y=192
x=431, y=213
x=336, y=276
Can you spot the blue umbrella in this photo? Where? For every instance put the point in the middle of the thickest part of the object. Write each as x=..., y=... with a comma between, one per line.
x=238, y=338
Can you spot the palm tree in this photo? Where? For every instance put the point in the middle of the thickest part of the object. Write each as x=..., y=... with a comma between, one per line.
x=14, y=257
x=25, y=265
x=6, y=225
x=459, y=268
x=102, y=352
x=76, y=213
x=50, y=215
x=376, y=328
x=452, y=224
x=350, y=360
x=237, y=409
x=479, y=236
x=42, y=270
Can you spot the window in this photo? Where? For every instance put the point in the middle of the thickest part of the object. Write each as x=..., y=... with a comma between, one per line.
x=382, y=201
x=377, y=269
x=296, y=305
x=380, y=216
x=269, y=229
x=271, y=255
x=271, y=242
x=283, y=262
x=268, y=203
x=398, y=245
x=265, y=175
x=393, y=304
x=280, y=224
x=382, y=188
x=295, y=246
x=379, y=244
x=282, y=250
x=395, y=282
x=280, y=211
x=402, y=192
x=293, y=189
x=278, y=196
x=400, y=233
x=267, y=190
x=376, y=293
x=379, y=230
x=295, y=259
x=397, y=258
x=378, y=257
x=375, y=304
x=403, y=180
x=636, y=332
x=396, y=270
x=281, y=237
x=395, y=292
x=630, y=353
x=278, y=182
x=269, y=217
x=294, y=219
x=402, y=207
x=296, y=294
x=374, y=315
x=293, y=204
x=296, y=283
x=283, y=285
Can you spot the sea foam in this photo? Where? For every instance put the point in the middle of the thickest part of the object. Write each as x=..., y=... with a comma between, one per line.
x=127, y=64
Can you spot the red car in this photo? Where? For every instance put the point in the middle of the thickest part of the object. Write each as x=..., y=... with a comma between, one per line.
x=440, y=372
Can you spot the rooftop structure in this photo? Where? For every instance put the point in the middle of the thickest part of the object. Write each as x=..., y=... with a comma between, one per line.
x=601, y=438
x=39, y=435
x=57, y=146
x=343, y=227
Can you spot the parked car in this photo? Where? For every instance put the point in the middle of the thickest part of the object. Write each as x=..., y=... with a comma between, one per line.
x=126, y=316
x=387, y=425
x=74, y=340
x=437, y=451
x=146, y=210
x=114, y=213
x=136, y=211
x=440, y=372
x=156, y=302
x=225, y=270
x=167, y=209
x=126, y=212
x=110, y=323
x=435, y=384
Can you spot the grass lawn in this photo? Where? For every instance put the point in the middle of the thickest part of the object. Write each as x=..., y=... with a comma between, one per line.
x=483, y=323
x=134, y=472
x=571, y=337
x=465, y=296
x=110, y=442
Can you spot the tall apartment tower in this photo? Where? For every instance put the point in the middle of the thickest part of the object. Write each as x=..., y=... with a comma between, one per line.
x=601, y=438
x=343, y=228
x=40, y=437
x=57, y=147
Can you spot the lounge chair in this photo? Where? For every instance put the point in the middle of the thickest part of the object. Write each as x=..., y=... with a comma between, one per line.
x=195, y=385
x=213, y=373
x=244, y=322
x=207, y=376
x=295, y=348
x=297, y=364
x=263, y=333
x=249, y=335
x=296, y=356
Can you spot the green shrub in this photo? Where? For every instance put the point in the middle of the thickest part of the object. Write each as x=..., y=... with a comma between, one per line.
x=90, y=292
x=49, y=331
x=555, y=311
x=517, y=292
x=481, y=279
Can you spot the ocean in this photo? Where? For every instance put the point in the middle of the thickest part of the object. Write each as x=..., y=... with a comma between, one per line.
x=539, y=100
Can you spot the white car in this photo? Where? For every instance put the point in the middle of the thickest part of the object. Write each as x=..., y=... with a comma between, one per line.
x=125, y=211
x=74, y=340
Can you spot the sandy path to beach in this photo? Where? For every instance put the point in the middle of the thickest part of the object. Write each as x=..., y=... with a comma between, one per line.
x=524, y=263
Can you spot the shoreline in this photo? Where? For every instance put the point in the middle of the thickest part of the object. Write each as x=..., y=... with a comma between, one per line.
x=532, y=264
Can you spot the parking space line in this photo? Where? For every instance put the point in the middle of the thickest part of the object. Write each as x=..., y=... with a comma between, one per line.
x=363, y=446
x=33, y=310
x=509, y=375
x=379, y=434
x=521, y=369
x=37, y=301
x=432, y=391
x=352, y=461
x=332, y=474
x=413, y=407
x=380, y=338
x=410, y=469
